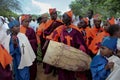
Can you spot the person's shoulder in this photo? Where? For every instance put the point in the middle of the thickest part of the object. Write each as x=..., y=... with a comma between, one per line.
x=20, y=34
x=98, y=58
x=49, y=21
x=95, y=60
x=58, y=20
x=60, y=27
x=31, y=29
x=74, y=27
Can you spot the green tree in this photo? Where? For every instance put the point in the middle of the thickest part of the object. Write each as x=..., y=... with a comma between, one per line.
x=107, y=8
x=79, y=7
x=9, y=7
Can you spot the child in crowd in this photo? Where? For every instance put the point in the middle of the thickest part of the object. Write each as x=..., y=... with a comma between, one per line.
x=100, y=67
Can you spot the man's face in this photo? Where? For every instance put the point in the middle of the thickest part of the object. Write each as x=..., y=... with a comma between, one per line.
x=97, y=23
x=89, y=14
x=53, y=15
x=26, y=22
x=82, y=24
x=66, y=19
x=16, y=29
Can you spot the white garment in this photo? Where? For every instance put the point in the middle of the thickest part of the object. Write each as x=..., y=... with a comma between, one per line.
x=118, y=44
x=1, y=22
x=2, y=32
x=28, y=56
x=75, y=20
x=33, y=25
x=3, y=35
x=5, y=26
x=91, y=22
x=115, y=72
x=20, y=20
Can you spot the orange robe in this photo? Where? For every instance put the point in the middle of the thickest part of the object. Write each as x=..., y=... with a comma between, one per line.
x=5, y=57
x=93, y=33
x=46, y=30
x=40, y=30
x=94, y=46
x=50, y=26
x=59, y=30
x=5, y=60
x=85, y=32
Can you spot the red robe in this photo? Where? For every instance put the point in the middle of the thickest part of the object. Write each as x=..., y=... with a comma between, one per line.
x=72, y=38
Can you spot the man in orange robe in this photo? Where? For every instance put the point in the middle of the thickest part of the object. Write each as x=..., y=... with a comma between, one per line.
x=85, y=30
x=70, y=35
x=96, y=29
x=50, y=25
x=94, y=46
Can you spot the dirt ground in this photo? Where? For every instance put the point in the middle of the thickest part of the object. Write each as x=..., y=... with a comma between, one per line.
x=42, y=76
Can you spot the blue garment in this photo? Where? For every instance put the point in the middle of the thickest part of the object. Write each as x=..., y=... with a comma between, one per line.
x=97, y=68
x=19, y=74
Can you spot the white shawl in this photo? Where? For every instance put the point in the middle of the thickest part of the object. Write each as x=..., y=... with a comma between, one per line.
x=115, y=72
x=28, y=56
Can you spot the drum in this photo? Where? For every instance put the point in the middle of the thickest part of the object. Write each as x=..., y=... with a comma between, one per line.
x=66, y=57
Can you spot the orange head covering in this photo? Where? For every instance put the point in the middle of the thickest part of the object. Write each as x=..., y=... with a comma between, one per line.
x=52, y=10
x=69, y=13
x=25, y=16
x=112, y=21
x=97, y=17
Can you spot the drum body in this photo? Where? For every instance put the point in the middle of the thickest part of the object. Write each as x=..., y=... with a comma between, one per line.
x=66, y=57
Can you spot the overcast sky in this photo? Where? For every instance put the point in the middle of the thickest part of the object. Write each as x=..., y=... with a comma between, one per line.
x=42, y=6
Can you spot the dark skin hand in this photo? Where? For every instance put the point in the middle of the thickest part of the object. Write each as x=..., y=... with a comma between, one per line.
x=109, y=65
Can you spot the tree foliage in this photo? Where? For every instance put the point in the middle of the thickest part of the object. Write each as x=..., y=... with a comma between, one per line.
x=107, y=8
x=8, y=7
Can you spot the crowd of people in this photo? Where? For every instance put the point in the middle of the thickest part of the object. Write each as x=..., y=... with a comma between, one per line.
x=24, y=41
